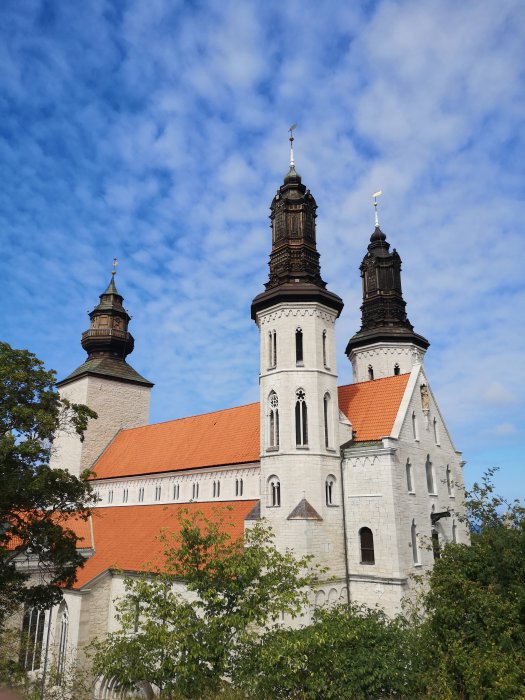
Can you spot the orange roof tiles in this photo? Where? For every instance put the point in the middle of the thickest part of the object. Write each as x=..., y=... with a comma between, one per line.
x=372, y=406
x=230, y=436
x=126, y=537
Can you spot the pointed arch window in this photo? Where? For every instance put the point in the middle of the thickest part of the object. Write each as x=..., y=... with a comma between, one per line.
x=327, y=426
x=325, y=360
x=436, y=549
x=239, y=487
x=158, y=492
x=410, y=481
x=273, y=412
x=274, y=487
x=32, y=637
x=454, y=532
x=299, y=357
x=366, y=539
x=141, y=494
x=436, y=430
x=62, y=640
x=195, y=491
x=450, y=489
x=272, y=349
x=301, y=419
x=110, y=496
x=430, y=475
x=414, y=542
x=415, y=432
x=176, y=492
x=330, y=490
x=370, y=372
x=216, y=489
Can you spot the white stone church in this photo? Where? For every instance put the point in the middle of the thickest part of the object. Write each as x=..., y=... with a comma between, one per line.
x=362, y=476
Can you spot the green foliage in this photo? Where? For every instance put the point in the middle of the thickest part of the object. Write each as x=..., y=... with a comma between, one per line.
x=35, y=501
x=348, y=652
x=187, y=647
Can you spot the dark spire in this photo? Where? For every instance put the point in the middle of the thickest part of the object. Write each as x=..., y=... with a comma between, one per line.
x=383, y=312
x=295, y=272
x=108, y=341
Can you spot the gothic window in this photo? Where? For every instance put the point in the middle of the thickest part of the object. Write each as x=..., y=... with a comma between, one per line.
x=326, y=411
x=301, y=419
x=415, y=434
x=110, y=496
x=396, y=369
x=325, y=361
x=330, y=490
x=435, y=544
x=141, y=494
x=370, y=372
x=62, y=640
x=32, y=636
x=239, y=487
x=366, y=539
x=436, y=431
x=299, y=346
x=430, y=475
x=274, y=491
x=195, y=491
x=272, y=349
x=449, y=482
x=414, y=541
x=158, y=490
x=410, y=483
x=273, y=401
x=176, y=492
x=125, y=494
x=216, y=489
x=454, y=532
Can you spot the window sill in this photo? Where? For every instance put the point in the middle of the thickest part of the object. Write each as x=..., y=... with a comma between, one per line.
x=299, y=364
x=273, y=506
x=434, y=495
x=367, y=563
x=302, y=447
x=331, y=449
x=418, y=566
x=411, y=493
x=272, y=449
x=451, y=495
x=332, y=505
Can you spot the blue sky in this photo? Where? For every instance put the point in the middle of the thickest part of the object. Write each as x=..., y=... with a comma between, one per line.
x=156, y=132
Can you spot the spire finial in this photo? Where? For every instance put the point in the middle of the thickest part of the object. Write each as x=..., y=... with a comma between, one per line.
x=115, y=263
x=376, y=216
x=291, y=139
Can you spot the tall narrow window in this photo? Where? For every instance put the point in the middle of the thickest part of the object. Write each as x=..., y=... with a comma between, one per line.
x=415, y=544
x=32, y=636
x=62, y=641
x=236, y=487
x=325, y=361
x=125, y=494
x=414, y=426
x=272, y=349
x=430, y=475
x=195, y=491
x=449, y=482
x=301, y=419
x=274, y=419
x=241, y=487
x=366, y=539
x=454, y=532
x=275, y=491
x=396, y=369
x=326, y=410
x=436, y=431
x=141, y=494
x=158, y=491
x=216, y=489
x=435, y=544
x=370, y=372
x=330, y=490
x=110, y=496
x=176, y=492
x=299, y=346
x=410, y=483
x=274, y=343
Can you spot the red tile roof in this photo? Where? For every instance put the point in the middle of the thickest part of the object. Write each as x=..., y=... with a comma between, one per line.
x=372, y=406
x=126, y=537
x=231, y=436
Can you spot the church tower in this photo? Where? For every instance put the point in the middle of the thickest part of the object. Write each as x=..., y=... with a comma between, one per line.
x=296, y=314
x=105, y=382
x=386, y=343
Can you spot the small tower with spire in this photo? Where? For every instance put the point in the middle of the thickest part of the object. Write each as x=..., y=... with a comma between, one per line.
x=296, y=317
x=105, y=382
x=386, y=343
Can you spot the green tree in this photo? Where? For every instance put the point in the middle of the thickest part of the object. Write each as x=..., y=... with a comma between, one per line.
x=188, y=645
x=36, y=502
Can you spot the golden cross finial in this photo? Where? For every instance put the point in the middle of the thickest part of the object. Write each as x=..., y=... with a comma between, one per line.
x=375, y=196
x=291, y=139
x=115, y=263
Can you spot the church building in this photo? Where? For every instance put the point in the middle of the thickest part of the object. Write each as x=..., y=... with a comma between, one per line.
x=365, y=477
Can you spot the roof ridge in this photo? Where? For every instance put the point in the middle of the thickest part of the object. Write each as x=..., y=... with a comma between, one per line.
x=373, y=381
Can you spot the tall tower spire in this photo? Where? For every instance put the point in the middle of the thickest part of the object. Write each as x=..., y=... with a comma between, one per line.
x=385, y=328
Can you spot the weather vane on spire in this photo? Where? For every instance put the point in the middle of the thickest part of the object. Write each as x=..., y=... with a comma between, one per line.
x=115, y=263
x=291, y=139
x=375, y=196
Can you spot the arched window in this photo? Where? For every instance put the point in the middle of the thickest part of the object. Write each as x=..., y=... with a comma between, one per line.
x=410, y=483
x=435, y=544
x=366, y=539
x=330, y=490
x=396, y=369
x=141, y=494
x=32, y=636
x=110, y=496
x=62, y=639
x=158, y=492
x=274, y=487
x=370, y=372
x=449, y=482
x=325, y=361
x=415, y=433
x=326, y=410
x=241, y=487
x=436, y=431
x=176, y=492
x=125, y=494
x=301, y=418
x=238, y=487
x=272, y=349
x=273, y=402
x=195, y=491
x=430, y=475
x=454, y=532
x=216, y=489
x=415, y=543
x=299, y=346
